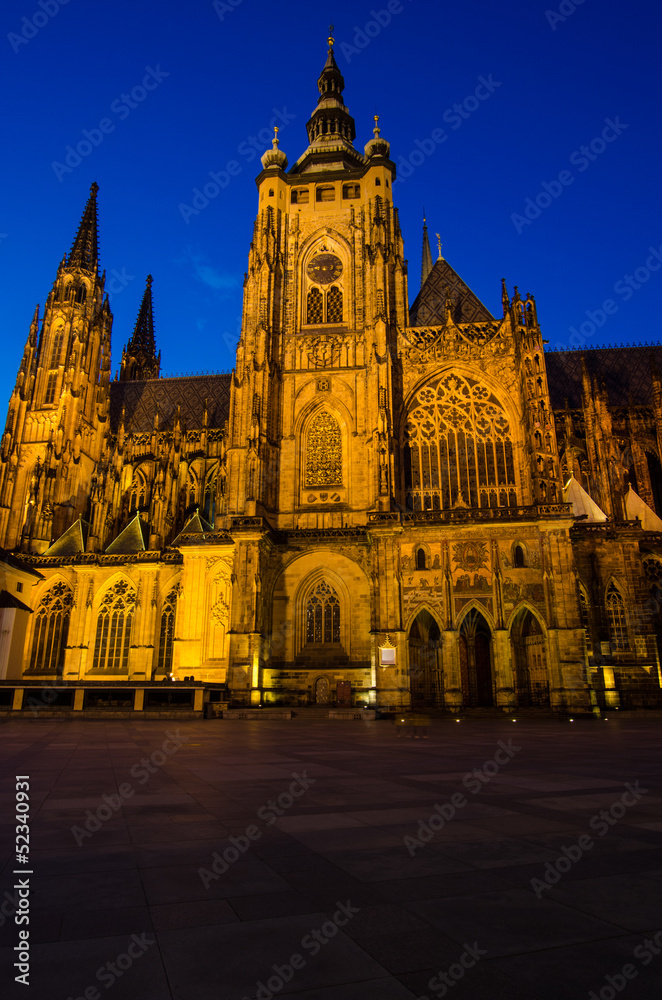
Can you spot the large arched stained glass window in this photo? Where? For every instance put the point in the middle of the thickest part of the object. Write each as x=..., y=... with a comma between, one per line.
x=323, y=615
x=167, y=633
x=616, y=619
x=324, y=452
x=113, y=638
x=457, y=447
x=51, y=629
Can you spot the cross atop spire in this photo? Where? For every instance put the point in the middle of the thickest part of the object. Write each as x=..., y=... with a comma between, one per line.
x=84, y=252
x=426, y=260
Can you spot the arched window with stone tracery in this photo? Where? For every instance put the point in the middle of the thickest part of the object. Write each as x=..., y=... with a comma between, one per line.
x=315, y=306
x=323, y=615
x=51, y=630
x=323, y=460
x=458, y=448
x=616, y=618
x=113, y=635
x=137, y=492
x=209, y=504
x=167, y=633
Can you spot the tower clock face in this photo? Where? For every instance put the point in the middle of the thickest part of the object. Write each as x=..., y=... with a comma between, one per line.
x=325, y=268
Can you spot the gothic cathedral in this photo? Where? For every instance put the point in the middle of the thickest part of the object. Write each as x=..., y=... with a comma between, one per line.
x=383, y=505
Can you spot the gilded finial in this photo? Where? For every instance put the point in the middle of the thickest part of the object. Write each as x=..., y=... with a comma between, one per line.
x=438, y=244
x=274, y=141
x=376, y=130
x=330, y=39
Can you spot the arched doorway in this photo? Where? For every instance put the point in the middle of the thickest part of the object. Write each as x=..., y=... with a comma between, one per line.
x=529, y=650
x=322, y=691
x=476, y=661
x=425, y=661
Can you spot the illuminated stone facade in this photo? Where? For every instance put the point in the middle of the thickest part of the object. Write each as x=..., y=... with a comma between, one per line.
x=371, y=477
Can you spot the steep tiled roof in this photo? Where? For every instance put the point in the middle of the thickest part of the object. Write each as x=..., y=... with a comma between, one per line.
x=625, y=371
x=140, y=400
x=429, y=307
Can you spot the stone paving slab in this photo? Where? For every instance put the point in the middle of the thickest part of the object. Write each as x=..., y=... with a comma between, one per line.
x=225, y=874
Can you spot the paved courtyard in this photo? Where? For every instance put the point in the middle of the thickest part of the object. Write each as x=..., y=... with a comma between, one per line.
x=333, y=860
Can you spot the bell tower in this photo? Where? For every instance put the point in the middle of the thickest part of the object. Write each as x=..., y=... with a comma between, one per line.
x=59, y=407
x=310, y=441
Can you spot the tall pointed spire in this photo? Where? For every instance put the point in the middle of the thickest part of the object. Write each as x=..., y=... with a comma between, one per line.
x=139, y=359
x=84, y=252
x=426, y=261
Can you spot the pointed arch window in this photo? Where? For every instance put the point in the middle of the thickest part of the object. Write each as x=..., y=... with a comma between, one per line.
x=323, y=615
x=57, y=349
x=51, y=630
x=315, y=311
x=334, y=305
x=113, y=635
x=209, y=505
x=167, y=633
x=51, y=385
x=324, y=452
x=616, y=619
x=421, y=560
x=458, y=449
x=191, y=490
x=138, y=492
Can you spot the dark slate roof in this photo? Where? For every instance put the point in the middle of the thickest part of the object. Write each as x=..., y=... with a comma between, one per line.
x=134, y=538
x=140, y=399
x=429, y=306
x=11, y=560
x=8, y=600
x=625, y=371
x=72, y=541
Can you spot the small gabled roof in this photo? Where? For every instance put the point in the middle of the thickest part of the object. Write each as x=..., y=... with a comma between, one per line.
x=635, y=507
x=429, y=308
x=196, y=525
x=72, y=541
x=582, y=505
x=134, y=538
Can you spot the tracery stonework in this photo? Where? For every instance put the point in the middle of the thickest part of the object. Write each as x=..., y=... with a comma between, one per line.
x=458, y=448
x=324, y=452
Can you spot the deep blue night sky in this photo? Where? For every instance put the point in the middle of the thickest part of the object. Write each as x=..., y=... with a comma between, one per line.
x=221, y=72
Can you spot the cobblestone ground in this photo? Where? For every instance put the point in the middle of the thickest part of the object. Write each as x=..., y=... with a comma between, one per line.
x=333, y=860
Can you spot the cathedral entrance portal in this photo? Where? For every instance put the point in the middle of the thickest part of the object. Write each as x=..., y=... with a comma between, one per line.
x=425, y=661
x=529, y=661
x=322, y=691
x=476, y=661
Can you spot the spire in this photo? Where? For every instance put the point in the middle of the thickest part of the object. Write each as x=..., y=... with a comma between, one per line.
x=426, y=262
x=140, y=360
x=331, y=121
x=143, y=333
x=85, y=251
